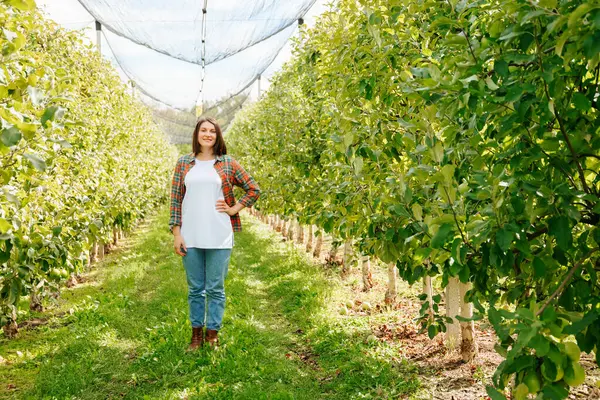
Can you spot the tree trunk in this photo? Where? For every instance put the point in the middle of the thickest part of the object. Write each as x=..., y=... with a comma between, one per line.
x=366, y=274
x=391, y=293
x=291, y=230
x=428, y=290
x=284, y=228
x=318, y=245
x=115, y=236
x=452, y=310
x=11, y=328
x=309, y=239
x=35, y=300
x=468, y=348
x=94, y=253
x=100, y=251
x=72, y=281
x=347, y=257
x=279, y=224
x=332, y=253
x=300, y=238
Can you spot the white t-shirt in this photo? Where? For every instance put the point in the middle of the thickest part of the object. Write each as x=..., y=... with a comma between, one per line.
x=202, y=226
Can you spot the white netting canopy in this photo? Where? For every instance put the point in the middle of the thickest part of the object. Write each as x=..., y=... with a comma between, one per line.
x=189, y=55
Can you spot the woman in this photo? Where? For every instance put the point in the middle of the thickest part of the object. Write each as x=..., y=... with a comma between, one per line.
x=204, y=216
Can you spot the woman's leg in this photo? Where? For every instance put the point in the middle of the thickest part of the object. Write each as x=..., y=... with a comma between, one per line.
x=195, y=268
x=217, y=265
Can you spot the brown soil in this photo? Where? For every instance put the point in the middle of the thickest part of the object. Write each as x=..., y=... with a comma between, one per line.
x=443, y=374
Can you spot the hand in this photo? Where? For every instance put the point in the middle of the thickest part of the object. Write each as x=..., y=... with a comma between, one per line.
x=179, y=245
x=223, y=207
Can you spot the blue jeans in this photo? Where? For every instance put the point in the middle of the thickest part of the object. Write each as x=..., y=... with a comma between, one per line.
x=206, y=270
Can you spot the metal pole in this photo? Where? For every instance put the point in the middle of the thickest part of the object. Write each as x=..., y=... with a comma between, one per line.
x=98, y=36
x=259, y=86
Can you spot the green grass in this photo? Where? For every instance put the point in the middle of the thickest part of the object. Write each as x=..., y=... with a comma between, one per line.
x=124, y=332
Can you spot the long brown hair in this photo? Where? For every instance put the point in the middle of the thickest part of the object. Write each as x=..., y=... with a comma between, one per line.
x=219, y=148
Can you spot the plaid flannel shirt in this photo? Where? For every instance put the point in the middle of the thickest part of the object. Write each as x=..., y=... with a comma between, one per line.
x=231, y=173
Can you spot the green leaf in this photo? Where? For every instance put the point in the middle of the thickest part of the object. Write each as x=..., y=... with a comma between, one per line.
x=37, y=162
x=581, y=102
x=555, y=392
x=560, y=228
x=439, y=238
x=11, y=136
x=448, y=173
x=540, y=344
x=24, y=5
x=578, y=13
x=504, y=238
x=501, y=68
x=494, y=394
x=4, y=225
x=583, y=323
x=52, y=113
x=596, y=235
x=432, y=331
x=417, y=211
x=548, y=3
x=539, y=267
x=520, y=363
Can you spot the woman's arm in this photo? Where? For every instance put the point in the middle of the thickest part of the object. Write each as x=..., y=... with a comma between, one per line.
x=176, y=199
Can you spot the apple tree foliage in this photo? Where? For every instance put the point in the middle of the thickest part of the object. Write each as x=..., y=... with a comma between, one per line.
x=455, y=138
x=78, y=155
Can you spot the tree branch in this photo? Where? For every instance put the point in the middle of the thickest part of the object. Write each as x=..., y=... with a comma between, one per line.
x=457, y=224
x=566, y=280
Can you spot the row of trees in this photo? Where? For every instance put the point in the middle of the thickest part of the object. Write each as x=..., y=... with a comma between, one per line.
x=455, y=139
x=80, y=160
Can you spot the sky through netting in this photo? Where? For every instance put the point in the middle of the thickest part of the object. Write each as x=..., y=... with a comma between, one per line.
x=188, y=55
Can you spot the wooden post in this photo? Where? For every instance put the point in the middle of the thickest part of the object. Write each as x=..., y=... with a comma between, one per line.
x=468, y=348
x=391, y=293
x=452, y=310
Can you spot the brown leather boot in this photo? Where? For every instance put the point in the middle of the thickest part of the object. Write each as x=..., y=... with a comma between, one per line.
x=212, y=337
x=197, y=338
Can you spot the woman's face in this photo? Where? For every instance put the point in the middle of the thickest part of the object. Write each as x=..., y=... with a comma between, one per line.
x=207, y=135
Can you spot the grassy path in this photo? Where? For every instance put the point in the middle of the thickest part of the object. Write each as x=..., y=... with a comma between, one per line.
x=123, y=333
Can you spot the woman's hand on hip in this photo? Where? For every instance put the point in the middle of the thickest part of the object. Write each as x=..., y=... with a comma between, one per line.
x=224, y=207
x=179, y=245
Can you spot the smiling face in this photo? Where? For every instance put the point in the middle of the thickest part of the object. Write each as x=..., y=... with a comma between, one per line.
x=207, y=138
x=207, y=135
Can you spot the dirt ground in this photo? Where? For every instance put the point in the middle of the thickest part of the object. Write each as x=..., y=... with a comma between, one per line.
x=443, y=373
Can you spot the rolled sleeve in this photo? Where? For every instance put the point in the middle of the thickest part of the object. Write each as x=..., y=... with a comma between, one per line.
x=176, y=196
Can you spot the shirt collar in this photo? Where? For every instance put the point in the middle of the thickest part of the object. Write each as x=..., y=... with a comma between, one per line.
x=190, y=158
